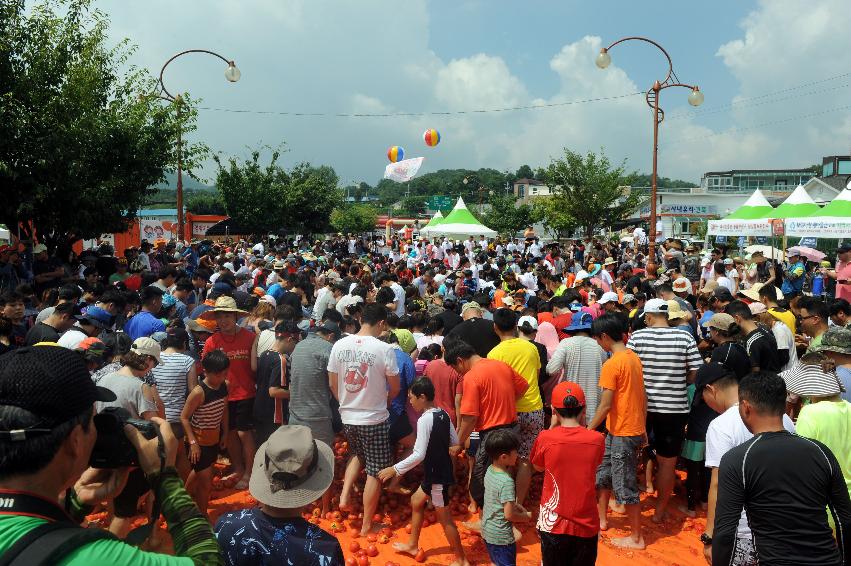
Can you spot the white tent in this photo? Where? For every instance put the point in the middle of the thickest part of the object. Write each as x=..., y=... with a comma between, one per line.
x=460, y=223
x=432, y=224
x=750, y=219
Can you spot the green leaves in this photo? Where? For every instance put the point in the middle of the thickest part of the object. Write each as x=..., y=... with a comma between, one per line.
x=78, y=147
x=506, y=218
x=355, y=219
x=589, y=192
x=267, y=198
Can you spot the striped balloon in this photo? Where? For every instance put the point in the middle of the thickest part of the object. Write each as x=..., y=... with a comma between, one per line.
x=395, y=153
x=431, y=137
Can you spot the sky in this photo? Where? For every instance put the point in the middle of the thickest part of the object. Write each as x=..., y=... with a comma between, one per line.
x=776, y=76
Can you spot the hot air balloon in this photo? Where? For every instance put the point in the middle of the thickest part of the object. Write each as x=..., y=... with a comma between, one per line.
x=395, y=153
x=431, y=137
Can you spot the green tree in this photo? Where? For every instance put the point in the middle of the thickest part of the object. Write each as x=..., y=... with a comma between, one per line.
x=355, y=219
x=525, y=172
x=205, y=203
x=506, y=217
x=589, y=190
x=268, y=198
x=553, y=216
x=79, y=148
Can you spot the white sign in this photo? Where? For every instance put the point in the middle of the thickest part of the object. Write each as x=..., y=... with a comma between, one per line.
x=150, y=229
x=103, y=239
x=740, y=227
x=824, y=226
x=200, y=228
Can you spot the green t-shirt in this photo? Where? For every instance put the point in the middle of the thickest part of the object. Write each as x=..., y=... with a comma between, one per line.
x=499, y=490
x=829, y=422
x=13, y=527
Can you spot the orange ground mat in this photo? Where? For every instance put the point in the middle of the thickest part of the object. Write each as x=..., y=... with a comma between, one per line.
x=675, y=543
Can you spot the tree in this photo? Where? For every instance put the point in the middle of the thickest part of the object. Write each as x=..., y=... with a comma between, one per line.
x=205, y=203
x=588, y=190
x=507, y=218
x=265, y=199
x=355, y=219
x=555, y=218
x=525, y=172
x=79, y=148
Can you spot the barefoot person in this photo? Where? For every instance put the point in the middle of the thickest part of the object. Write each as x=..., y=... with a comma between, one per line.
x=436, y=443
x=623, y=407
x=363, y=374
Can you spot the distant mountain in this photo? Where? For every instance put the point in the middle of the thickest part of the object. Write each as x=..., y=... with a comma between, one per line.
x=189, y=183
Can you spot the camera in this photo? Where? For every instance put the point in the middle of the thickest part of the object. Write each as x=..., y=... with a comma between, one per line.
x=112, y=448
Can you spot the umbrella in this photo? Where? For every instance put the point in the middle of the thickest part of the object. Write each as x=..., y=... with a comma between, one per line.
x=809, y=253
x=767, y=251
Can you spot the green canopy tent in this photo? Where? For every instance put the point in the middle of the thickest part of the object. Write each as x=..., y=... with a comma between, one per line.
x=797, y=205
x=461, y=223
x=832, y=221
x=436, y=220
x=750, y=219
x=755, y=207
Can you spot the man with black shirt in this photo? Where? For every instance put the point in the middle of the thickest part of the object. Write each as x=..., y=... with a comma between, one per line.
x=474, y=330
x=759, y=342
x=784, y=482
x=725, y=333
x=62, y=318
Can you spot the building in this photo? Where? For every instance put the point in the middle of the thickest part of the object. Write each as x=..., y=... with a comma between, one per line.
x=526, y=190
x=746, y=181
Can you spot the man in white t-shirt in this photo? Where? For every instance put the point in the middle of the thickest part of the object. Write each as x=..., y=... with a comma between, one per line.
x=720, y=390
x=363, y=375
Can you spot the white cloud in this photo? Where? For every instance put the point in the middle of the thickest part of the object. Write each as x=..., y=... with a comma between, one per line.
x=326, y=56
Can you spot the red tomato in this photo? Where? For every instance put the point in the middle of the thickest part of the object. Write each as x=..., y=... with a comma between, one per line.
x=354, y=546
x=372, y=551
x=351, y=561
x=363, y=561
x=420, y=557
x=377, y=518
x=371, y=537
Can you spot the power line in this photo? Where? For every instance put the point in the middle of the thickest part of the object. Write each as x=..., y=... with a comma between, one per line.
x=414, y=114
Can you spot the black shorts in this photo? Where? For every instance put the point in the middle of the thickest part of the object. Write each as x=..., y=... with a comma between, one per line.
x=126, y=503
x=567, y=549
x=668, y=431
x=400, y=427
x=177, y=429
x=241, y=414
x=209, y=455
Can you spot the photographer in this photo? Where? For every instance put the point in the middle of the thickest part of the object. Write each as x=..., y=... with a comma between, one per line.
x=47, y=435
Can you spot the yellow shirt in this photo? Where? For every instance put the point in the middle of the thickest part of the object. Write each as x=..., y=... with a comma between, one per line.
x=786, y=317
x=523, y=357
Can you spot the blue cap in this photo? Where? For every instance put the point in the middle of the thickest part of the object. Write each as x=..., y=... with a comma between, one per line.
x=98, y=316
x=580, y=321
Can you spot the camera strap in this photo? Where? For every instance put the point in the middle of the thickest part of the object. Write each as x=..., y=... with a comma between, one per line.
x=141, y=533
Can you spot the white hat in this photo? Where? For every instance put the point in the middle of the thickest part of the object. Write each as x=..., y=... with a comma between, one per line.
x=527, y=323
x=38, y=248
x=655, y=306
x=580, y=275
x=608, y=297
x=269, y=299
x=682, y=285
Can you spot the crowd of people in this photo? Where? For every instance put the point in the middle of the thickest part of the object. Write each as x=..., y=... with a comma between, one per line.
x=716, y=384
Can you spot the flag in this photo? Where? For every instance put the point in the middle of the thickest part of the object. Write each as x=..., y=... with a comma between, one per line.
x=403, y=171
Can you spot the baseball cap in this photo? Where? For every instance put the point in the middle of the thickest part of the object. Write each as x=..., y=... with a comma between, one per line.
x=328, y=327
x=710, y=373
x=728, y=261
x=98, y=317
x=628, y=298
x=845, y=247
x=580, y=321
x=608, y=297
x=720, y=320
x=527, y=323
x=471, y=305
x=723, y=294
x=287, y=328
x=568, y=395
x=49, y=381
x=655, y=306
x=145, y=346
x=757, y=307
x=406, y=339
x=836, y=339
x=91, y=348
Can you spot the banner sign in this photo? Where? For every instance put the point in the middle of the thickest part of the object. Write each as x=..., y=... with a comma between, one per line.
x=720, y=239
x=152, y=229
x=687, y=209
x=824, y=227
x=403, y=171
x=741, y=241
x=808, y=241
x=740, y=227
x=762, y=240
x=199, y=229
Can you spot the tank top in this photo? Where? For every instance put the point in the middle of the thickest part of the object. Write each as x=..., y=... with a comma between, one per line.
x=438, y=464
x=207, y=418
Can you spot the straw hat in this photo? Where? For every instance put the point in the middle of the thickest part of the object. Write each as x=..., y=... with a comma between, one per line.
x=223, y=304
x=675, y=311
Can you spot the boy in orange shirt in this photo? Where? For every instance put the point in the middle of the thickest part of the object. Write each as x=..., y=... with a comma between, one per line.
x=623, y=405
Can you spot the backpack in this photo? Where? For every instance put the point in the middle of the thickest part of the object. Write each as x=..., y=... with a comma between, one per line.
x=49, y=543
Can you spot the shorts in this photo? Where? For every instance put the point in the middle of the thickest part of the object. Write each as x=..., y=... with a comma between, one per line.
x=262, y=432
x=241, y=414
x=529, y=426
x=400, y=427
x=480, y=466
x=322, y=429
x=744, y=554
x=474, y=445
x=567, y=550
x=209, y=455
x=502, y=554
x=177, y=429
x=371, y=443
x=619, y=469
x=126, y=503
x=438, y=492
x=668, y=431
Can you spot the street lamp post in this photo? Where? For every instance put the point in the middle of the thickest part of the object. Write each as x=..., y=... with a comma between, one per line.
x=695, y=98
x=232, y=74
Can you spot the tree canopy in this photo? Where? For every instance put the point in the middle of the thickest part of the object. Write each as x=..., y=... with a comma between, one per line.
x=355, y=219
x=79, y=147
x=506, y=217
x=268, y=198
x=588, y=192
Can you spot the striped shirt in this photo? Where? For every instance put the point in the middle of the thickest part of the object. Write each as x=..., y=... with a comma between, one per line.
x=207, y=418
x=170, y=376
x=667, y=355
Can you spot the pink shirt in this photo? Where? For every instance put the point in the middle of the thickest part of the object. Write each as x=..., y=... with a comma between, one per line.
x=843, y=272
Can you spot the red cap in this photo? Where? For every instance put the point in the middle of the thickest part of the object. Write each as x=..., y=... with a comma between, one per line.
x=564, y=391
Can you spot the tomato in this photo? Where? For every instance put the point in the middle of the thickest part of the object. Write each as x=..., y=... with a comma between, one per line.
x=372, y=551
x=351, y=561
x=317, y=512
x=408, y=528
x=363, y=561
x=337, y=515
x=354, y=546
x=371, y=537
x=377, y=518
x=420, y=557
x=384, y=539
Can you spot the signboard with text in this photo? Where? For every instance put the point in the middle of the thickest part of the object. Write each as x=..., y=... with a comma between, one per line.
x=439, y=202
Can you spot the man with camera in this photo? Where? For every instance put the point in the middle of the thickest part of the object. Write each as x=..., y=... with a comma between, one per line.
x=48, y=433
